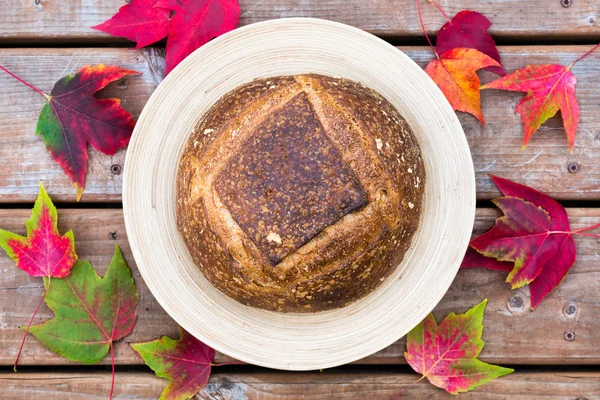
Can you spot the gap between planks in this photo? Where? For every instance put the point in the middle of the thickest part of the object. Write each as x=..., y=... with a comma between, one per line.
x=70, y=20
x=354, y=385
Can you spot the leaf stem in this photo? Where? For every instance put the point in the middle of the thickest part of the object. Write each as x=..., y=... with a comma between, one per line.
x=29, y=85
x=585, y=55
x=112, y=376
x=441, y=10
x=228, y=363
x=589, y=228
x=423, y=28
x=596, y=235
x=405, y=389
x=27, y=330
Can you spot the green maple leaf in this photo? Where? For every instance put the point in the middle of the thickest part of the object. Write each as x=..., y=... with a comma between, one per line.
x=91, y=312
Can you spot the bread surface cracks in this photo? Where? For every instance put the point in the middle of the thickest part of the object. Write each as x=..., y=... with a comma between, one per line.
x=354, y=229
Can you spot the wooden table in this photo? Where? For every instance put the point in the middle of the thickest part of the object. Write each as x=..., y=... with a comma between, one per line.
x=43, y=40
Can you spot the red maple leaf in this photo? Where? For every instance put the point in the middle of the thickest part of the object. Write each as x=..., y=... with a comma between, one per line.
x=195, y=23
x=73, y=118
x=534, y=235
x=549, y=88
x=140, y=21
x=469, y=29
x=43, y=252
x=447, y=354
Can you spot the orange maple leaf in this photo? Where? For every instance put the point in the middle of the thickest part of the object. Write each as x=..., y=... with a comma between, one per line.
x=454, y=71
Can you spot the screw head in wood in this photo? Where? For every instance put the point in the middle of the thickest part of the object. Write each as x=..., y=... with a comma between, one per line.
x=569, y=336
x=566, y=3
x=115, y=169
x=516, y=303
x=573, y=167
x=570, y=310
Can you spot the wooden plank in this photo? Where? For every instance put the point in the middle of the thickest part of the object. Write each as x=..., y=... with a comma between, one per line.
x=495, y=147
x=347, y=385
x=513, y=334
x=33, y=21
x=23, y=154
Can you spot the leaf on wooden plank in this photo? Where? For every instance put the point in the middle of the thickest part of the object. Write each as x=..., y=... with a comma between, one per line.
x=139, y=21
x=91, y=312
x=454, y=73
x=185, y=362
x=447, y=354
x=549, y=88
x=534, y=235
x=73, y=118
x=195, y=23
x=43, y=252
x=469, y=29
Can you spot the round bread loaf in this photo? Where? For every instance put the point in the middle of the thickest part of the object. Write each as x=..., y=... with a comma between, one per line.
x=300, y=193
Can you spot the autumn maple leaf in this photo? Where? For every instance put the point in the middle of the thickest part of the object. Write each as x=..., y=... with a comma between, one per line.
x=534, y=235
x=549, y=88
x=91, y=312
x=469, y=29
x=43, y=252
x=447, y=354
x=195, y=23
x=186, y=363
x=454, y=73
x=140, y=21
x=73, y=118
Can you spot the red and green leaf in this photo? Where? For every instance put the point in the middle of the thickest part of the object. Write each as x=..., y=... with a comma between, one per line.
x=43, y=252
x=533, y=237
x=469, y=29
x=90, y=312
x=185, y=362
x=139, y=21
x=447, y=354
x=73, y=118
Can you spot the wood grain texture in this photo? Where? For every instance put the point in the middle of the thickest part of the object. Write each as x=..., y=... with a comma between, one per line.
x=61, y=21
x=513, y=334
x=543, y=164
x=347, y=385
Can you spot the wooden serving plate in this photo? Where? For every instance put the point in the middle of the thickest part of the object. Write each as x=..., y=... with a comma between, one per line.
x=297, y=341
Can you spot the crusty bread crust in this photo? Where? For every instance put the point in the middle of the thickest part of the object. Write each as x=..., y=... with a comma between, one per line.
x=341, y=222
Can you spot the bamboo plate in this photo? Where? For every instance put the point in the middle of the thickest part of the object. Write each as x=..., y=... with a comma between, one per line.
x=297, y=341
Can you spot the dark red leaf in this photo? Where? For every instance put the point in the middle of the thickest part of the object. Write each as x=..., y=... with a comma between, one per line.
x=475, y=260
x=534, y=235
x=469, y=29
